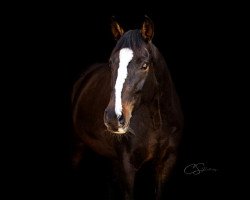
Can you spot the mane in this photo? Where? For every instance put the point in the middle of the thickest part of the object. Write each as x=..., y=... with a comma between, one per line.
x=131, y=39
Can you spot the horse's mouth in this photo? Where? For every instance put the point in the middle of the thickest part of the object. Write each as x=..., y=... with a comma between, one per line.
x=120, y=131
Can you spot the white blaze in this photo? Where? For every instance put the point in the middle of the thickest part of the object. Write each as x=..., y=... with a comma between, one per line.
x=125, y=57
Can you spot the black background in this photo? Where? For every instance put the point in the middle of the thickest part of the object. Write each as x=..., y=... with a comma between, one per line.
x=57, y=42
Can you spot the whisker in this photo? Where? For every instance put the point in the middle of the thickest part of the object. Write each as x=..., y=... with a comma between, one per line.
x=119, y=137
x=131, y=130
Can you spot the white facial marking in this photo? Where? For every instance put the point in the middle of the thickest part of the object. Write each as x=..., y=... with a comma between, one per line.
x=125, y=57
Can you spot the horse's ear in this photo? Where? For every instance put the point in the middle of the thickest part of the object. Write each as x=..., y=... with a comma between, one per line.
x=147, y=29
x=116, y=29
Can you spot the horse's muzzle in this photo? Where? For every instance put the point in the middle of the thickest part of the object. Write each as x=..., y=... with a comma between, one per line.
x=113, y=123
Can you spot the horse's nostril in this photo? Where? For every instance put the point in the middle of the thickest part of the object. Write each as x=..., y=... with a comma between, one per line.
x=121, y=120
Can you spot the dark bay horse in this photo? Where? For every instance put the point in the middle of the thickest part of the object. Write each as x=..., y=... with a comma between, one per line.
x=128, y=110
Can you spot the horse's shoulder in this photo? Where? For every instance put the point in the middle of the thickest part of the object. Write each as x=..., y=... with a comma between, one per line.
x=84, y=77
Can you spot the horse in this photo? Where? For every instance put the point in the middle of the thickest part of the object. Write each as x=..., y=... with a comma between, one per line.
x=128, y=110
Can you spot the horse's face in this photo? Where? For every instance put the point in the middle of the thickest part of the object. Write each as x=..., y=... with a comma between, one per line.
x=129, y=72
x=130, y=67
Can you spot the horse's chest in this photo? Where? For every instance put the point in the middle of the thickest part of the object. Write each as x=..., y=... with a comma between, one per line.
x=143, y=152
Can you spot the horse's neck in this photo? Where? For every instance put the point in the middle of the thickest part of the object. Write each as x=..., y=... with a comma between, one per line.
x=168, y=99
x=161, y=72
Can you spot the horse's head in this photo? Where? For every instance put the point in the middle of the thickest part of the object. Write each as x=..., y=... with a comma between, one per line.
x=131, y=64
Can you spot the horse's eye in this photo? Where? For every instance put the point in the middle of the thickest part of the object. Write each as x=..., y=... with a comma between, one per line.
x=145, y=66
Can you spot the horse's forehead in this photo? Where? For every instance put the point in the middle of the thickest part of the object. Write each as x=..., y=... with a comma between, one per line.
x=126, y=54
x=137, y=53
